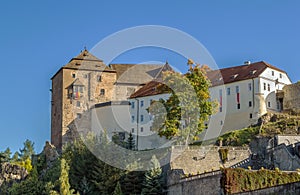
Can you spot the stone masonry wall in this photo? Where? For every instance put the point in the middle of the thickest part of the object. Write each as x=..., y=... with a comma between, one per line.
x=200, y=159
x=291, y=100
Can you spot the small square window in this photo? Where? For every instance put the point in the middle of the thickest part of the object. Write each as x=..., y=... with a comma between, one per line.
x=73, y=75
x=237, y=89
x=102, y=91
x=228, y=91
x=99, y=78
x=78, y=115
x=250, y=103
x=249, y=86
x=238, y=106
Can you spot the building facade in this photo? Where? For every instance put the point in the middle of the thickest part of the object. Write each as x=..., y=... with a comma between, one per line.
x=85, y=81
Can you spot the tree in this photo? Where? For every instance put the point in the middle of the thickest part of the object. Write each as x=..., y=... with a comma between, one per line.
x=188, y=106
x=64, y=179
x=130, y=142
x=27, y=151
x=132, y=182
x=153, y=178
x=5, y=156
x=118, y=190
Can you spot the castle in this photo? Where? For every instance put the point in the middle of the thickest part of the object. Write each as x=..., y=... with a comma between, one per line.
x=244, y=93
x=86, y=81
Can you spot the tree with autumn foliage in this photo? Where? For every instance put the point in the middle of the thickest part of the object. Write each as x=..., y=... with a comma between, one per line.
x=183, y=114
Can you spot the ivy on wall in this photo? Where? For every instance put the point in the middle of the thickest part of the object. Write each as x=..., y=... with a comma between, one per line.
x=242, y=180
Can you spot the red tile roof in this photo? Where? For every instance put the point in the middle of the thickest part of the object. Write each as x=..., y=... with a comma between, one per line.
x=238, y=73
x=217, y=77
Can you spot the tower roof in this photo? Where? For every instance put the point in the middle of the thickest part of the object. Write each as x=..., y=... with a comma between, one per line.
x=85, y=61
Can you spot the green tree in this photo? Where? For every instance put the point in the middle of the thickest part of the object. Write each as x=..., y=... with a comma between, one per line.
x=27, y=151
x=5, y=155
x=130, y=142
x=118, y=190
x=65, y=187
x=188, y=106
x=132, y=182
x=153, y=178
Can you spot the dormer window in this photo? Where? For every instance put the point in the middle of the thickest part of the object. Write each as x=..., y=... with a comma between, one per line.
x=252, y=72
x=234, y=76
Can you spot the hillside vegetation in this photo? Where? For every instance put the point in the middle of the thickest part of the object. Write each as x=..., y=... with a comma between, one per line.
x=273, y=124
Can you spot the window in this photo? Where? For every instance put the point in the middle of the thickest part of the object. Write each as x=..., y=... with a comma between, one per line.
x=265, y=86
x=73, y=75
x=269, y=104
x=102, y=91
x=99, y=78
x=142, y=129
x=220, y=109
x=78, y=104
x=269, y=87
x=250, y=116
x=132, y=119
x=250, y=103
x=142, y=103
x=150, y=101
x=272, y=73
x=150, y=128
x=132, y=130
x=237, y=89
x=132, y=105
x=249, y=86
x=228, y=91
x=221, y=122
x=280, y=75
x=142, y=118
x=238, y=106
x=78, y=115
x=206, y=125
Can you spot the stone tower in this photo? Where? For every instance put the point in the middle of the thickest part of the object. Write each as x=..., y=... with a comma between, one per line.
x=76, y=87
x=86, y=81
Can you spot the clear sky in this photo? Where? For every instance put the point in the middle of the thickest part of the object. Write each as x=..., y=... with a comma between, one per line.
x=38, y=37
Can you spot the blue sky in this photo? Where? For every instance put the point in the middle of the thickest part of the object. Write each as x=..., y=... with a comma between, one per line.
x=37, y=38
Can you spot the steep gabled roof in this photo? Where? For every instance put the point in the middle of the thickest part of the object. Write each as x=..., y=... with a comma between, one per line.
x=136, y=73
x=152, y=87
x=238, y=73
x=85, y=61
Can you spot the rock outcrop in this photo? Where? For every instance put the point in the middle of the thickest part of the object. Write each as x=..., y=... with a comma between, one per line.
x=10, y=173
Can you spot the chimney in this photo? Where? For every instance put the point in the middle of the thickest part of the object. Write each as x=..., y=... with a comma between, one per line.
x=247, y=62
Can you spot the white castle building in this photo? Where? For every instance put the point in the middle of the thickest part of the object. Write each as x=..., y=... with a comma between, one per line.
x=245, y=93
